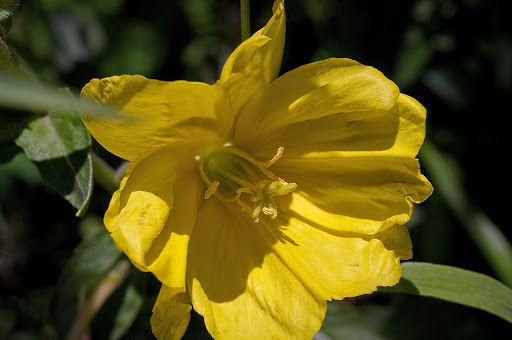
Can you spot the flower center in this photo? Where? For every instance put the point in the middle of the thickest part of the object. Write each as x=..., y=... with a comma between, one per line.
x=229, y=173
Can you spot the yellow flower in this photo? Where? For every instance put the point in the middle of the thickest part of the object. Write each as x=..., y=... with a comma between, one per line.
x=257, y=199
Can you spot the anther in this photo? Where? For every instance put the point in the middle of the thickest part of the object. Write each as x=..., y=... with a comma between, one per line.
x=268, y=211
x=211, y=189
x=278, y=155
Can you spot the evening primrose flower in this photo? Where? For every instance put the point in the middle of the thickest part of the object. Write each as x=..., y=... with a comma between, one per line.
x=257, y=199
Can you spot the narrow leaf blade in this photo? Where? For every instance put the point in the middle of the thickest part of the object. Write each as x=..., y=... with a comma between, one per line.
x=455, y=285
x=24, y=94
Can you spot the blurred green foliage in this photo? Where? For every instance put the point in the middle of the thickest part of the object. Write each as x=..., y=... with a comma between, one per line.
x=59, y=146
x=454, y=56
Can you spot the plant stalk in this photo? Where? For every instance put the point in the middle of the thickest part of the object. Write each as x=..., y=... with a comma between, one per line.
x=245, y=19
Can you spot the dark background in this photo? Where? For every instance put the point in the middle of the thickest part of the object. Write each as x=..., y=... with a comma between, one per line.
x=455, y=57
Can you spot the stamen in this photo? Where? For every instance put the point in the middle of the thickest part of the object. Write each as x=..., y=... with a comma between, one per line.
x=246, y=167
x=271, y=206
x=232, y=186
x=235, y=179
x=246, y=190
x=263, y=182
x=238, y=194
x=256, y=209
x=269, y=211
x=246, y=208
x=239, y=177
x=278, y=155
x=211, y=189
x=270, y=175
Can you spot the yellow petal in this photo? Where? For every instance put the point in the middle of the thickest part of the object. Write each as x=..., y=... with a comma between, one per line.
x=255, y=62
x=241, y=288
x=310, y=92
x=154, y=113
x=152, y=215
x=398, y=239
x=398, y=133
x=363, y=195
x=339, y=265
x=411, y=130
x=171, y=314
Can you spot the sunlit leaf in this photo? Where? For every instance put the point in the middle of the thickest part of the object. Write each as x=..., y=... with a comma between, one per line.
x=455, y=285
x=92, y=258
x=58, y=144
x=7, y=8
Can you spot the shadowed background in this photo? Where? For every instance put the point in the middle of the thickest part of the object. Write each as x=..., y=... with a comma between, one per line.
x=454, y=56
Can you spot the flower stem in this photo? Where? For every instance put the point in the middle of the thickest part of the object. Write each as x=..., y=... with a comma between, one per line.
x=87, y=310
x=245, y=19
x=104, y=175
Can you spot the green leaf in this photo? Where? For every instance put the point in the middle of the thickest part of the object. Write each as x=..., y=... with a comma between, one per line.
x=8, y=149
x=492, y=242
x=20, y=168
x=343, y=321
x=92, y=258
x=130, y=307
x=413, y=58
x=449, y=86
x=24, y=94
x=142, y=48
x=59, y=144
x=7, y=8
x=455, y=285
